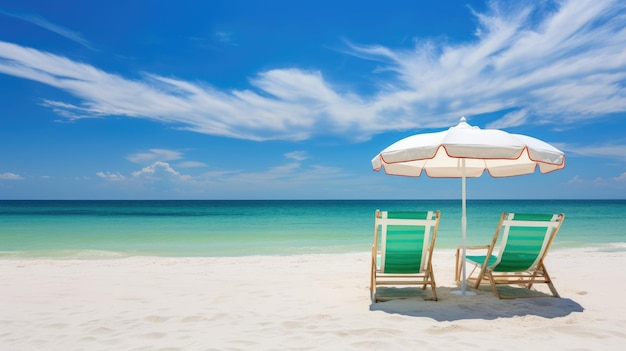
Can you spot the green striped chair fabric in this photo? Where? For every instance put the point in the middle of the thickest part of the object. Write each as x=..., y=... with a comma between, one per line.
x=404, y=241
x=525, y=238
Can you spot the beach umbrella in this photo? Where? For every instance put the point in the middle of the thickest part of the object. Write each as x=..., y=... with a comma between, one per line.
x=465, y=151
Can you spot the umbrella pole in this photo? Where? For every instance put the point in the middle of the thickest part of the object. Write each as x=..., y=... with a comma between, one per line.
x=463, y=222
x=463, y=231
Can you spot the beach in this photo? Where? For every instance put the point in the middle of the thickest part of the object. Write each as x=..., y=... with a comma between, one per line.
x=297, y=302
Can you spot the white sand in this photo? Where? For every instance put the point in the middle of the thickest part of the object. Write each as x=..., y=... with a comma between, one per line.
x=312, y=302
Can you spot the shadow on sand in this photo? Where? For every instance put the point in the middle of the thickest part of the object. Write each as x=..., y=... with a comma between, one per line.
x=484, y=305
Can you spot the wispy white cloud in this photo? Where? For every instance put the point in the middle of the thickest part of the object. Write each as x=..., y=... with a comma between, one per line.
x=163, y=155
x=293, y=173
x=10, y=176
x=606, y=182
x=615, y=151
x=155, y=180
x=621, y=177
x=161, y=171
x=564, y=67
x=154, y=155
x=45, y=24
x=190, y=164
x=557, y=67
x=284, y=176
x=224, y=37
x=297, y=155
x=164, y=177
x=511, y=119
x=114, y=177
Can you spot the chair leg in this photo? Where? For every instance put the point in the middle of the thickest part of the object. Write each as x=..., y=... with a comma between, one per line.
x=549, y=282
x=457, y=269
x=468, y=277
x=534, y=275
x=493, y=285
x=373, y=292
x=373, y=281
x=546, y=278
x=433, y=286
x=481, y=274
x=372, y=277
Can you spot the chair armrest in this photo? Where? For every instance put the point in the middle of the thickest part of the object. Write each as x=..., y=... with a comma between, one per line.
x=476, y=247
x=473, y=247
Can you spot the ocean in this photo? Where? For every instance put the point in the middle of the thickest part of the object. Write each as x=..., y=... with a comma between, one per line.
x=110, y=229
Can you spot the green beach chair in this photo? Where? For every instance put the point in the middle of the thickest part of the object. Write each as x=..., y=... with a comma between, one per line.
x=403, y=249
x=524, y=242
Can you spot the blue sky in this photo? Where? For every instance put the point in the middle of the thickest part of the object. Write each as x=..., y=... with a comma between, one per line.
x=292, y=99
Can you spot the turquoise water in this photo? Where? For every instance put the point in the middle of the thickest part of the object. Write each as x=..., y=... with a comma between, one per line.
x=236, y=228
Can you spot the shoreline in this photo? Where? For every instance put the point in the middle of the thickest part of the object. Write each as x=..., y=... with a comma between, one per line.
x=92, y=254
x=308, y=302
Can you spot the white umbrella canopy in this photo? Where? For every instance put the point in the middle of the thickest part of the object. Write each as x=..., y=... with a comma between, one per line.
x=439, y=154
x=466, y=151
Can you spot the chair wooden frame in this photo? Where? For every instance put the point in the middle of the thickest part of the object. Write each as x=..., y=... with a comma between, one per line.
x=422, y=275
x=486, y=268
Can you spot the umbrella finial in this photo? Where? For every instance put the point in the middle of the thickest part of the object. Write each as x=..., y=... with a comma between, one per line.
x=464, y=125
